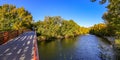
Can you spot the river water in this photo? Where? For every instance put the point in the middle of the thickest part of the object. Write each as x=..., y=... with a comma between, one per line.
x=85, y=47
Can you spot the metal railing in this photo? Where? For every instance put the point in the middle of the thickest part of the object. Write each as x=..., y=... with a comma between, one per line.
x=36, y=54
x=8, y=35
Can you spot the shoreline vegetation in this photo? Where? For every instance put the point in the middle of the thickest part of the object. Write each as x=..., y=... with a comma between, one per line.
x=112, y=20
x=58, y=28
x=102, y=30
x=17, y=18
x=13, y=18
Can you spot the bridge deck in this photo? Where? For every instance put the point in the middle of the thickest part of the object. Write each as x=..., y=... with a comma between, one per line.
x=20, y=48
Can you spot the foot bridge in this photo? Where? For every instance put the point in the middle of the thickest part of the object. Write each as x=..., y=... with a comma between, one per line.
x=23, y=47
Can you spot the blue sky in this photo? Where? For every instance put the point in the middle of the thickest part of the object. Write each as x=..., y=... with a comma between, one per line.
x=83, y=12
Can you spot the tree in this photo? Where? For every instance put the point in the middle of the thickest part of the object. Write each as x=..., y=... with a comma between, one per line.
x=23, y=20
x=49, y=27
x=57, y=27
x=101, y=1
x=12, y=18
x=112, y=16
x=100, y=29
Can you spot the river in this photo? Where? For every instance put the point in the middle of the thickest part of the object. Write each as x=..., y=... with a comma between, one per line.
x=85, y=47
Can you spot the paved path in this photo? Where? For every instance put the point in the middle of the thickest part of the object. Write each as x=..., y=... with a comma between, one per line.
x=20, y=48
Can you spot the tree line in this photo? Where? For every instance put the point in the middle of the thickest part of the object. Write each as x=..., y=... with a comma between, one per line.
x=13, y=18
x=111, y=18
x=57, y=27
x=101, y=29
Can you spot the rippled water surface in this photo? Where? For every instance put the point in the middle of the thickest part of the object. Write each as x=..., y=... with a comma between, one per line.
x=85, y=47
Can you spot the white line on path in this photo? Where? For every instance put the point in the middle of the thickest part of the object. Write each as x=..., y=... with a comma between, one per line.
x=31, y=37
x=24, y=38
x=19, y=51
x=28, y=42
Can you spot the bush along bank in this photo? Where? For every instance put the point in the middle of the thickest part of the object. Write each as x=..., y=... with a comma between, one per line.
x=56, y=27
x=102, y=30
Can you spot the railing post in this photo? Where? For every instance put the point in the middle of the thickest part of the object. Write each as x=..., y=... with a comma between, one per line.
x=17, y=32
x=1, y=38
x=5, y=34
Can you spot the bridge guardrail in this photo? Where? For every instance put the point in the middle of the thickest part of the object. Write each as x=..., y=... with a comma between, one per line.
x=36, y=54
x=8, y=35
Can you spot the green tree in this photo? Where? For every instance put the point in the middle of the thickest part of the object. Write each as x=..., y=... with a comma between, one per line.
x=100, y=29
x=49, y=27
x=56, y=27
x=12, y=18
x=100, y=1
x=112, y=16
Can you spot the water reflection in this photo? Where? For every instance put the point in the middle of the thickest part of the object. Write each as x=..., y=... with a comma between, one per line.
x=86, y=47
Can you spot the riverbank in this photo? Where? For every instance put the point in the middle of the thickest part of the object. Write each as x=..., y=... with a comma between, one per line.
x=45, y=38
x=84, y=47
x=116, y=46
x=114, y=42
x=111, y=39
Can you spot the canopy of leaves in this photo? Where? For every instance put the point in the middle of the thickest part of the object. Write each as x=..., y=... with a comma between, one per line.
x=12, y=18
x=112, y=16
x=100, y=1
x=100, y=30
x=58, y=27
